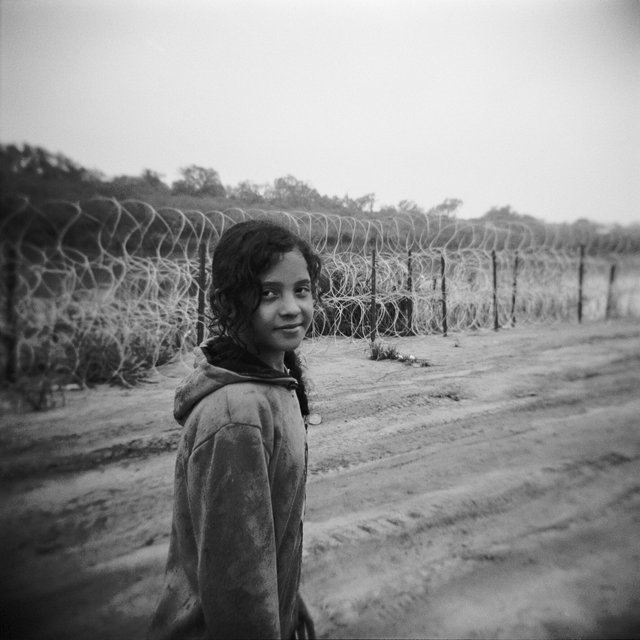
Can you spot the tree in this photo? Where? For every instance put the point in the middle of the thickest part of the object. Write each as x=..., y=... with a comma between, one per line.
x=147, y=185
x=248, y=192
x=153, y=179
x=448, y=207
x=290, y=192
x=38, y=162
x=501, y=214
x=409, y=206
x=366, y=202
x=508, y=214
x=388, y=210
x=199, y=181
x=361, y=204
x=35, y=172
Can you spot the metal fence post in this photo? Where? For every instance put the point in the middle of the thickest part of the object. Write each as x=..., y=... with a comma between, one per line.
x=444, y=294
x=514, y=290
x=372, y=309
x=202, y=279
x=580, y=282
x=612, y=277
x=496, y=324
x=410, y=289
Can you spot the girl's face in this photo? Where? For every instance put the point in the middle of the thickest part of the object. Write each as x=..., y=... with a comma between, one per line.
x=286, y=308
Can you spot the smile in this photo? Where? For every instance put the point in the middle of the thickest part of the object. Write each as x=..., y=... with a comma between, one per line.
x=289, y=327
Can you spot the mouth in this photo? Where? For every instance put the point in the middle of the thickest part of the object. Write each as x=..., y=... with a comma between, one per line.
x=289, y=327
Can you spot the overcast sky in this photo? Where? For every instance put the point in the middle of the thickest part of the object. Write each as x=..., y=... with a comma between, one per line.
x=533, y=104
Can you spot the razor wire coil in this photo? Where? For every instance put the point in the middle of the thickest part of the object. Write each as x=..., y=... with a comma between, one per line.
x=106, y=289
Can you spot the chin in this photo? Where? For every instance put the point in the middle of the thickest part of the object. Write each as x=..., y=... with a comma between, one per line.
x=291, y=345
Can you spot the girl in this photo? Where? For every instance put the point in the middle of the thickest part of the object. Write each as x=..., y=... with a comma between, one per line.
x=235, y=552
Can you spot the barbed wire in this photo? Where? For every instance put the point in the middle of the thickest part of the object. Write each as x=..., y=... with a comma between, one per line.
x=107, y=289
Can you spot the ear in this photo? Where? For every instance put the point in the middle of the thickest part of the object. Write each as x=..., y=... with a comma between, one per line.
x=221, y=301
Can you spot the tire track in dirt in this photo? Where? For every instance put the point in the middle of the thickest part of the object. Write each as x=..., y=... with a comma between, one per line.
x=59, y=463
x=507, y=586
x=399, y=553
x=400, y=426
x=389, y=547
x=450, y=506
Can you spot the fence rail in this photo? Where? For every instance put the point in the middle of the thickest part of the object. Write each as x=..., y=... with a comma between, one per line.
x=106, y=290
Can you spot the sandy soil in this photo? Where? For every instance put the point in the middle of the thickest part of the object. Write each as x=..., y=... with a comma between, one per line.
x=493, y=493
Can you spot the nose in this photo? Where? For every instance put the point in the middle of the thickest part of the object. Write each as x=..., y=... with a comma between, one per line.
x=289, y=305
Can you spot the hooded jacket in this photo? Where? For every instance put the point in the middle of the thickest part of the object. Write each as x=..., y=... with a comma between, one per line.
x=233, y=569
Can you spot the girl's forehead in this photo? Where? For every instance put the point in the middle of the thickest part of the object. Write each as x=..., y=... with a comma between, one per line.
x=289, y=264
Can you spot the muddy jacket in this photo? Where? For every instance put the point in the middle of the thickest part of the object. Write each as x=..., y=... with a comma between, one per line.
x=233, y=569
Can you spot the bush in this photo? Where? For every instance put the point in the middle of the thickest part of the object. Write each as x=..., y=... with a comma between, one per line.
x=381, y=351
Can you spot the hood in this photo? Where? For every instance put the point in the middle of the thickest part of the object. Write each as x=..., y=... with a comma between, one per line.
x=219, y=362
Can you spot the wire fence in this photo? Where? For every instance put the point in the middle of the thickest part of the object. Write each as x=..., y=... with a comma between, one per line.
x=106, y=290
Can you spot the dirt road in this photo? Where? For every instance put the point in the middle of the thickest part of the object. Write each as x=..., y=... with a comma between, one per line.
x=494, y=492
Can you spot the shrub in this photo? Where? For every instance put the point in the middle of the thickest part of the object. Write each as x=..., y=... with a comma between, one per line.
x=381, y=351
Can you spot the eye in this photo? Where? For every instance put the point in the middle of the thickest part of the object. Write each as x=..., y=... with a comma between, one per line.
x=303, y=290
x=268, y=294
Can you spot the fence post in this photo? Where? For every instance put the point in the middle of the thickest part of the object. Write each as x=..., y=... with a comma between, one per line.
x=444, y=295
x=580, y=281
x=410, y=289
x=372, y=309
x=496, y=324
x=201, y=291
x=11, y=337
x=513, y=293
x=612, y=277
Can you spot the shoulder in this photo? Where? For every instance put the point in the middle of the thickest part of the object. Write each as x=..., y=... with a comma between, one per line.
x=249, y=404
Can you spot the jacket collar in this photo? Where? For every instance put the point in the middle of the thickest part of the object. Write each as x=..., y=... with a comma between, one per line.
x=218, y=363
x=223, y=352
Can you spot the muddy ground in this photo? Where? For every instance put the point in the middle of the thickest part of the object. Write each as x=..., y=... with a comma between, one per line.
x=494, y=493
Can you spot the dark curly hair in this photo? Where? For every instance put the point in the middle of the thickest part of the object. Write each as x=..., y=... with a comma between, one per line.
x=242, y=254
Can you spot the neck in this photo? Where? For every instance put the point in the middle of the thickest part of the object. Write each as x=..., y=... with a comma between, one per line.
x=273, y=360
x=276, y=363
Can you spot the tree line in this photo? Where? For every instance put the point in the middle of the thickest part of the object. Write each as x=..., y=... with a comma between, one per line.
x=42, y=175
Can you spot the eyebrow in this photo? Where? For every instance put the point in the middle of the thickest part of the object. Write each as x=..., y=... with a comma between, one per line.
x=278, y=283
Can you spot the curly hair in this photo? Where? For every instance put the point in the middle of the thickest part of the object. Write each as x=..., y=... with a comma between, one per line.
x=243, y=253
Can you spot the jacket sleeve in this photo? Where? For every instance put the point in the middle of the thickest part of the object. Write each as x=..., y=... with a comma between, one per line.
x=230, y=501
